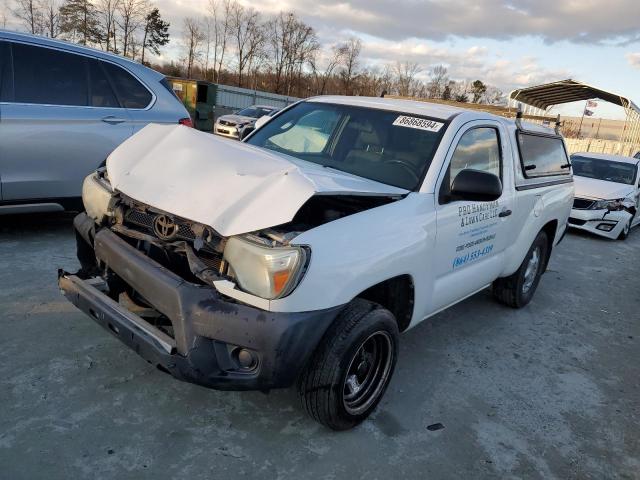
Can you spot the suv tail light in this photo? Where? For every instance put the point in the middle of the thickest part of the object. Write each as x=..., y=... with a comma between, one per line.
x=186, y=122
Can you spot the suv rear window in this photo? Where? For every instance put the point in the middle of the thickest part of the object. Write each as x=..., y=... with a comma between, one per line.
x=131, y=93
x=542, y=155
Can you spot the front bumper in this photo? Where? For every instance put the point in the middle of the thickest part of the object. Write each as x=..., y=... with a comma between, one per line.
x=226, y=131
x=605, y=223
x=208, y=329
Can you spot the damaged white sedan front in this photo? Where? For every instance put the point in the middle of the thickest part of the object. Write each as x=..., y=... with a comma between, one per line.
x=607, y=195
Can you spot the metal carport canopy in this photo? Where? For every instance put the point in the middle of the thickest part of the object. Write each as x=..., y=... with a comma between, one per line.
x=566, y=91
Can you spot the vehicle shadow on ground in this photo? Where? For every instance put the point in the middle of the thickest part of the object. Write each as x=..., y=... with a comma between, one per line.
x=36, y=222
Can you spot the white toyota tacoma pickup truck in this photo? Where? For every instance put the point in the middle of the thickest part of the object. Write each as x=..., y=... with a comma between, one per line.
x=299, y=255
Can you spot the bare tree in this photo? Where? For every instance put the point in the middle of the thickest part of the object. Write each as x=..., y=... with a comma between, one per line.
x=438, y=81
x=324, y=72
x=350, y=62
x=193, y=38
x=219, y=28
x=30, y=13
x=292, y=44
x=131, y=18
x=493, y=96
x=51, y=18
x=107, y=14
x=406, y=77
x=248, y=37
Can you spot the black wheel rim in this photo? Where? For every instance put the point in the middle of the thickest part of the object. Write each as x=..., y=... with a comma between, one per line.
x=368, y=372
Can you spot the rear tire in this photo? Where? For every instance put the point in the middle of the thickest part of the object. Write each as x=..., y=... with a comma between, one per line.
x=517, y=290
x=351, y=368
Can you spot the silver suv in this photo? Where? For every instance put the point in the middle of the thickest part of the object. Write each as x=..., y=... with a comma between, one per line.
x=63, y=109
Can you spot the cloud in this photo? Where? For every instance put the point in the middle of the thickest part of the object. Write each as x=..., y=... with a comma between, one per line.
x=476, y=62
x=580, y=21
x=409, y=30
x=633, y=59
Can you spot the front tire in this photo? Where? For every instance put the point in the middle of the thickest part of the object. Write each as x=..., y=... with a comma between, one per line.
x=624, y=234
x=351, y=368
x=517, y=290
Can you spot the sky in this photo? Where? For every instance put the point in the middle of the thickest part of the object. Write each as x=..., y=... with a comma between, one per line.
x=506, y=43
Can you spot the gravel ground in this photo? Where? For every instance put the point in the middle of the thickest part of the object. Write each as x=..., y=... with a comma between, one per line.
x=550, y=391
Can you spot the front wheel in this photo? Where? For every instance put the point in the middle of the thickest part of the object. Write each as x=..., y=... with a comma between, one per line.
x=625, y=231
x=352, y=366
x=517, y=290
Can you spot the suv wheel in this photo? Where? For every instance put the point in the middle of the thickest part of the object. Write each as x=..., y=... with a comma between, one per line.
x=352, y=366
x=517, y=290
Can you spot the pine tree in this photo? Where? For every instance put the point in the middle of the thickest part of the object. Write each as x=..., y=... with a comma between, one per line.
x=156, y=33
x=79, y=21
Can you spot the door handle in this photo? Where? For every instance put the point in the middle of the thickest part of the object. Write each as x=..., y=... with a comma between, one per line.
x=111, y=120
x=505, y=213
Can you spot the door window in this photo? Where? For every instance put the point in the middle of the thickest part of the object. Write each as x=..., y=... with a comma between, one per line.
x=48, y=76
x=6, y=73
x=130, y=92
x=478, y=149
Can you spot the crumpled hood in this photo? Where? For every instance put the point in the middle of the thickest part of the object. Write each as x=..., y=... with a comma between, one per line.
x=230, y=186
x=237, y=118
x=600, y=189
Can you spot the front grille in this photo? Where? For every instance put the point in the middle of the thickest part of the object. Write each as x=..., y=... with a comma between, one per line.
x=582, y=203
x=227, y=123
x=576, y=221
x=142, y=221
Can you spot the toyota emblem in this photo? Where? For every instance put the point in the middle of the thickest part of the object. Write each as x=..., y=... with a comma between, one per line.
x=164, y=227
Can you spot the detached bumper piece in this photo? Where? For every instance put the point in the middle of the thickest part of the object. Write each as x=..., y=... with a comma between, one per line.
x=217, y=343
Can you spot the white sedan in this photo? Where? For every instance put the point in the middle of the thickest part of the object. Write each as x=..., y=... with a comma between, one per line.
x=607, y=194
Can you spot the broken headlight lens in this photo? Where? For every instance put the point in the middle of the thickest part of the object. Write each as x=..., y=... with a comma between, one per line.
x=96, y=197
x=609, y=204
x=267, y=272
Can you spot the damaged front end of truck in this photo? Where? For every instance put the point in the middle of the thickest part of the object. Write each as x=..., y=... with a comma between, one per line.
x=185, y=277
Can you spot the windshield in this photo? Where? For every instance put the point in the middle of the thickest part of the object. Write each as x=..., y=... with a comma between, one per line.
x=603, y=169
x=255, y=112
x=380, y=145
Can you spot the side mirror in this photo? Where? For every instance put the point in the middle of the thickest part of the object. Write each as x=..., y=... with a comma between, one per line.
x=261, y=121
x=476, y=185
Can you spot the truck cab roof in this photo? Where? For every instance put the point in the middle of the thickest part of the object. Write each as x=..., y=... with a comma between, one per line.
x=434, y=110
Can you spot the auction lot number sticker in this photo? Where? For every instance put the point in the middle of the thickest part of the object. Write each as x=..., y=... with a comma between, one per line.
x=419, y=123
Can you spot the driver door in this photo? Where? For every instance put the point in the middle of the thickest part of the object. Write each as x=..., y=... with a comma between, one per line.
x=472, y=236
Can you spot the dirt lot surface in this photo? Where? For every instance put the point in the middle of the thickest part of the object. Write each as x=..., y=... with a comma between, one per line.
x=551, y=391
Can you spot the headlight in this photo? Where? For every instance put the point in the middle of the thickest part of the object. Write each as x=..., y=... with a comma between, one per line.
x=267, y=272
x=96, y=197
x=609, y=204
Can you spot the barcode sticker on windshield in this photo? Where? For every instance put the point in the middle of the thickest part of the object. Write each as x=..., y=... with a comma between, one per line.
x=419, y=123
